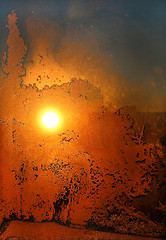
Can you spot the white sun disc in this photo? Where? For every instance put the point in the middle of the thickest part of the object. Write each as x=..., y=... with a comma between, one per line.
x=50, y=119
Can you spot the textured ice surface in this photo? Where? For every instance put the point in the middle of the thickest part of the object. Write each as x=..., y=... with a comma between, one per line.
x=85, y=173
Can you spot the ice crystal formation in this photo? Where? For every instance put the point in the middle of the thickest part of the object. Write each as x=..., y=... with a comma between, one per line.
x=86, y=173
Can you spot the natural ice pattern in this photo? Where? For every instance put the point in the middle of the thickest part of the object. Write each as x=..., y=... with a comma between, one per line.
x=87, y=172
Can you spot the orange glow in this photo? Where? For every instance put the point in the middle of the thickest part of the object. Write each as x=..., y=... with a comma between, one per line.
x=65, y=156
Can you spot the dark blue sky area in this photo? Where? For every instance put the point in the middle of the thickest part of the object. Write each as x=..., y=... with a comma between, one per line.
x=130, y=33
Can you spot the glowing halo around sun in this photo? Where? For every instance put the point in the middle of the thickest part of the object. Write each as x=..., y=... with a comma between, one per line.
x=50, y=119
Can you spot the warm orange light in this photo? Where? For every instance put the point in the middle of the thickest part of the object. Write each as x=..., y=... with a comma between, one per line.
x=50, y=119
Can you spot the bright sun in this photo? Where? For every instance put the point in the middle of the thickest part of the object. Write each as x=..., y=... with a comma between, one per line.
x=50, y=119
